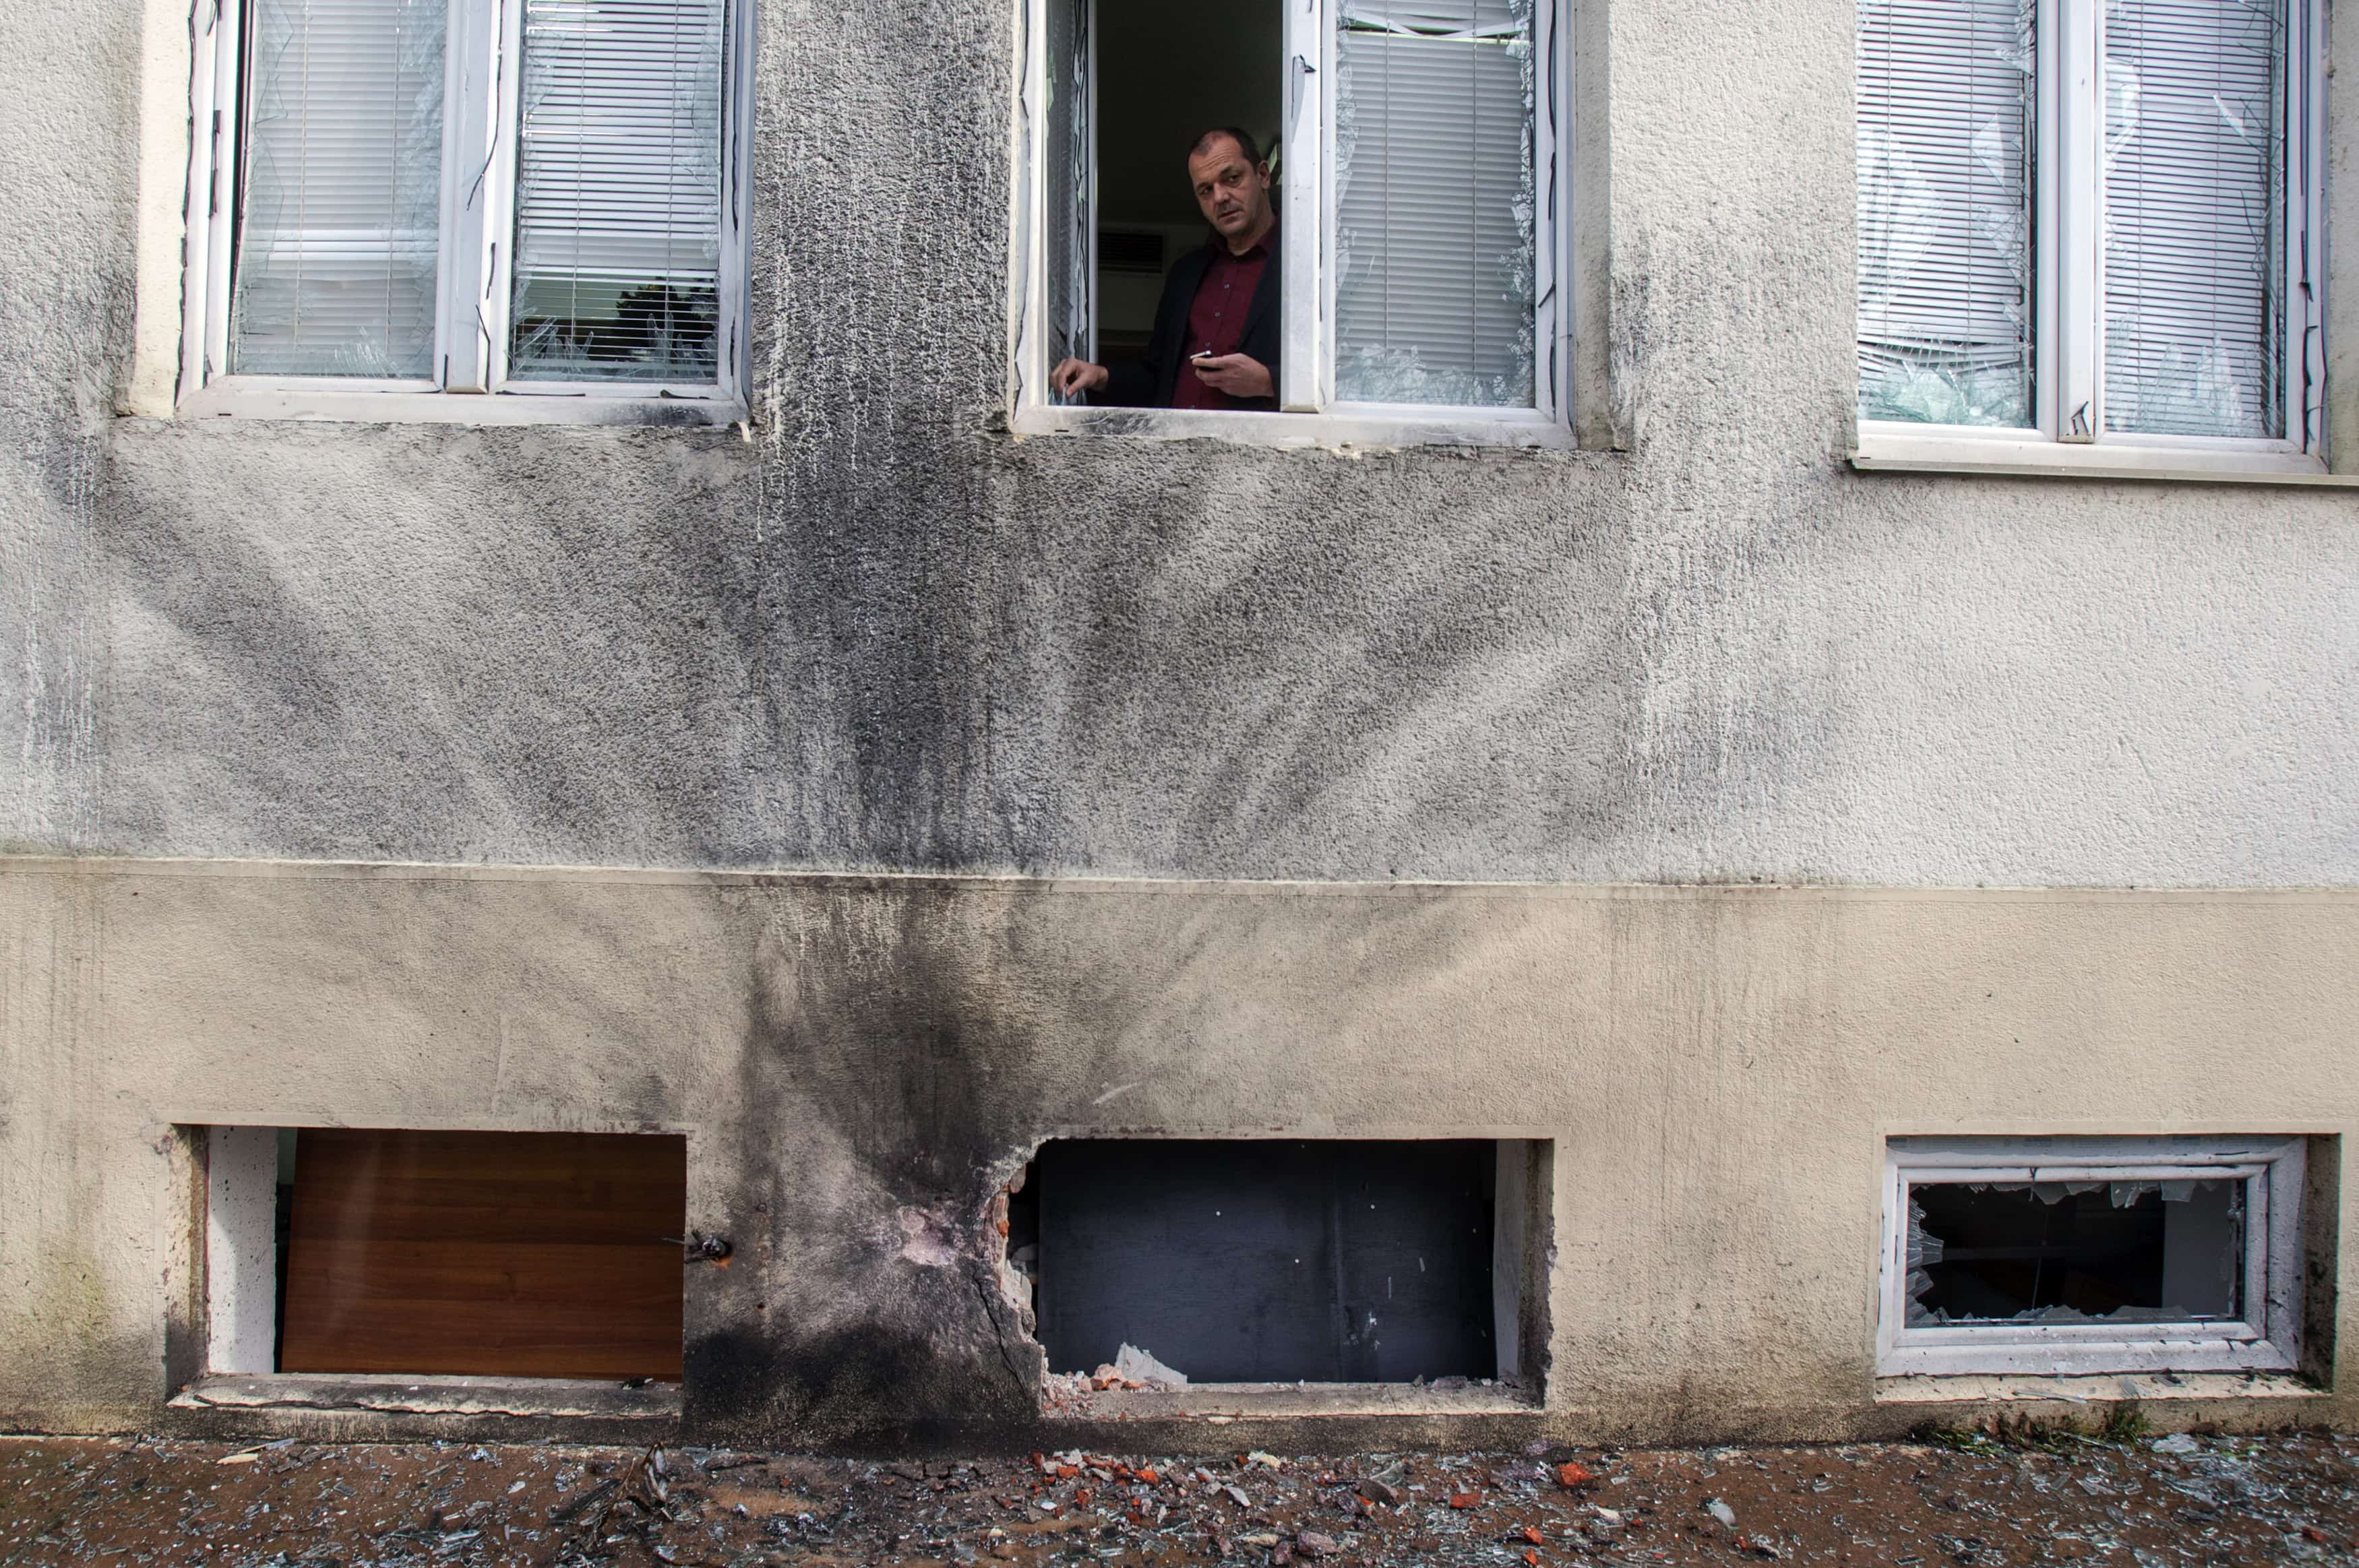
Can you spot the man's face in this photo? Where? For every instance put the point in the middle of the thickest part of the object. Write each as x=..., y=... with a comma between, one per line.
x=1233, y=193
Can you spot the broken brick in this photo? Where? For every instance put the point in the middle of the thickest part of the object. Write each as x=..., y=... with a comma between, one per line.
x=1574, y=1475
x=1465, y=1499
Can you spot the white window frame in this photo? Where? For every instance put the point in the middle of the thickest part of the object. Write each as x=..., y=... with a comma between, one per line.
x=1311, y=415
x=484, y=45
x=2266, y=1339
x=2067, y=349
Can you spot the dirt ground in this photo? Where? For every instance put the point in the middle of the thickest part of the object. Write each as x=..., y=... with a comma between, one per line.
x=1956, y=1499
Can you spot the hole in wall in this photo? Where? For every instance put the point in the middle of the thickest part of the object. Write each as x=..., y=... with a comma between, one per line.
x=1155, y=1264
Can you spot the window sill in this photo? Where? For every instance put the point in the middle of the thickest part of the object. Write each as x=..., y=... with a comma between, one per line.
x=2043, y=1350
x=1970, y=1388
x=1333, y=432
x=1220, y=1404
x=579, y=1398
x=1877, y=452
x=348, y=406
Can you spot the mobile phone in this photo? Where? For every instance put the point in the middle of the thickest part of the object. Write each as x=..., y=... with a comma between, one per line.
x=1203, y=354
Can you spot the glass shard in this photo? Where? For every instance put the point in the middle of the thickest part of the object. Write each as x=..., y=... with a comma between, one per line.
x=1945, y=133
x=341, y=191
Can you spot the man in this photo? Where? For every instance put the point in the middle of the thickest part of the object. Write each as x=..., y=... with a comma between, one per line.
x=1216, y=330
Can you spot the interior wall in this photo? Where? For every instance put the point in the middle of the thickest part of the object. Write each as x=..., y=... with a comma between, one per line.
x=1166, y=72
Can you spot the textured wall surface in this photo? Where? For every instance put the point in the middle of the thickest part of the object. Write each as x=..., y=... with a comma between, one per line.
x=859, y=1063
x=874, y=631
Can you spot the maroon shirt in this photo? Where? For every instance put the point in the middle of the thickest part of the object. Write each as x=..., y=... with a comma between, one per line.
x=1217, y=318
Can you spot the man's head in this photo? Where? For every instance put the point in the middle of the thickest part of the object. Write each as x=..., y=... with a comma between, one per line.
x=1231, y=185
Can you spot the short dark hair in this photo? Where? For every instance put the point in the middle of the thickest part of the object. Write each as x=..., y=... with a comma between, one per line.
x=1243, y=138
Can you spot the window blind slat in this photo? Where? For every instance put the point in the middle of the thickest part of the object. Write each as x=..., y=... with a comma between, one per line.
x=2194, y=247
x=340, y=189
x=1945, y=128
x=618, y=191
x=1434, y=203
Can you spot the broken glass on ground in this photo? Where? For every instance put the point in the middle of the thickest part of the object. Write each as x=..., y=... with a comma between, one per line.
x=2138, y=1251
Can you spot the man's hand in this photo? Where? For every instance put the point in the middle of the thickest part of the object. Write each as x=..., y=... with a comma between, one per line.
x=1074, y=376
x=1236, y=374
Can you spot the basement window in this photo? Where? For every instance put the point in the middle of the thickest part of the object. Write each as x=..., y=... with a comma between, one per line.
x=1183, y=1263
x=2091, y=1255
x=499, y=1255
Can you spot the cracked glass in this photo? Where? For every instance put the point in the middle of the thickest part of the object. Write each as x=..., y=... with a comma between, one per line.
x=2194, y=236
x=1434, y=260
x=340, y=189
x=1946, y=98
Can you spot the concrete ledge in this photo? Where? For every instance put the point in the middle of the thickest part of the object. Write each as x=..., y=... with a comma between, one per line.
x=1219, y=1404
x=2107, y=1388
x=335, y=1407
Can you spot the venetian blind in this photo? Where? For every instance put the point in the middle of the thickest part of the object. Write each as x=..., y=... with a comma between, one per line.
x=1434, y=216
x=1946, y=90
x=340, y=189
x=2194, y=220
x=618, y=191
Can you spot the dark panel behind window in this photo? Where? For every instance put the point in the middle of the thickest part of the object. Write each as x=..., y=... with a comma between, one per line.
x=1263, y=1262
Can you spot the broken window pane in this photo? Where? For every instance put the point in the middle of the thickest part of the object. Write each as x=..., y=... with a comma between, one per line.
x=2075, y=1251
x=342, y=194
x=2194, y=229
x=1946, y=91
x=517, y=1254
x=1434, y=204
x=618, y=191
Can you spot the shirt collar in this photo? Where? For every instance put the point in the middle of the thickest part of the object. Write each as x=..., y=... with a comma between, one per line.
x=1261, y=247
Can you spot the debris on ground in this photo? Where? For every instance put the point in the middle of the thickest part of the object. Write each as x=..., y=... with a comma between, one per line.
x=1955, y=1500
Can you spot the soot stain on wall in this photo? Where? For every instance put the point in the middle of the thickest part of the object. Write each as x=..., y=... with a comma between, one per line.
x=892, y=1026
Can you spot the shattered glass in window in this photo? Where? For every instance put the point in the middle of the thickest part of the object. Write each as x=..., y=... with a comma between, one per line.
x=618, y=191
x=1946, y=91
x=2195, y=236
x=340, y=189
x=1434, y=269
x=2168, y=1251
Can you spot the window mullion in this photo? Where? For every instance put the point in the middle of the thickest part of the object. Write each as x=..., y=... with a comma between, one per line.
x=2078, y=173
x=472, y=174
x=1306, y=371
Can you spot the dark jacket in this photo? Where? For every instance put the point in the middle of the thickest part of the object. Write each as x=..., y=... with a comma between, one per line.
x=1149, y=382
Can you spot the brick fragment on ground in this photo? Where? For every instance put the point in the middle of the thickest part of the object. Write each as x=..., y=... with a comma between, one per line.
x=158, y=1503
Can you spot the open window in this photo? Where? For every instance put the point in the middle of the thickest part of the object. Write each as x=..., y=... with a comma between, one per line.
x=396, y=203
x=1279, y=1262
x=351, y=1250
x=1417, y=149
x=2071, y=1255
